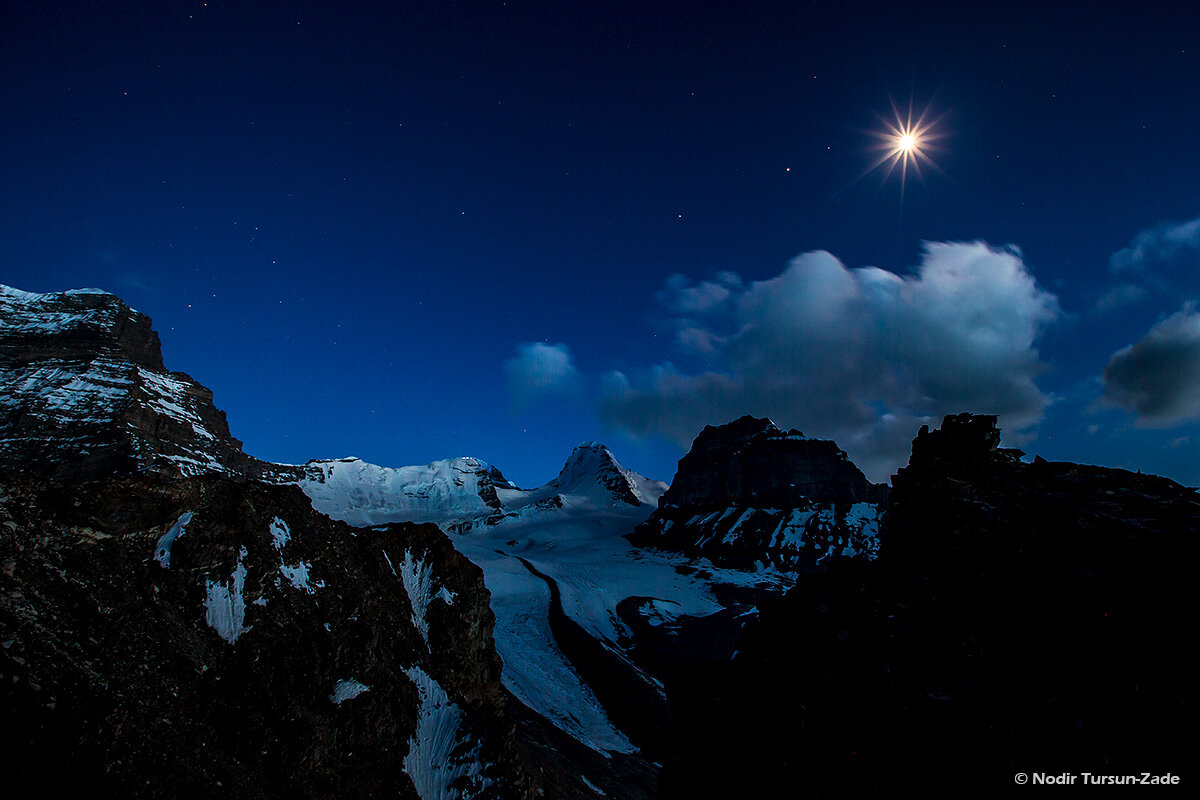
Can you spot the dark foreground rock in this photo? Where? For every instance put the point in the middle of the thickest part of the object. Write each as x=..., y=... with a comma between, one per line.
x=206, y=637
x=749, y=495
x=1020, y=618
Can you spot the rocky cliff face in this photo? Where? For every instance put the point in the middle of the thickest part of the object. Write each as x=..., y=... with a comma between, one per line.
x=205, y=637
x=750, y=495
x=1020, y=618
x=171, y=627
x=84, y=394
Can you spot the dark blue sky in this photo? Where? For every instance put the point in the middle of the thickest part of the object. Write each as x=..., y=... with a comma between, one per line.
x=353, y=223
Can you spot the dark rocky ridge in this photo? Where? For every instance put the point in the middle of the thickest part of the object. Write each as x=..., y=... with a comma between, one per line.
x=751, y=462
x=748, y=493
x=111, y=662
x=1020, y=618
x=84, y=395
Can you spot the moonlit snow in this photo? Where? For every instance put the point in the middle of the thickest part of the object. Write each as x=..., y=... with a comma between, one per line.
x=364, y=494
x=162, y=550
x=347, y=690
x=434, y=761
x=571, y=529
x=296, y=574
x=224, y=605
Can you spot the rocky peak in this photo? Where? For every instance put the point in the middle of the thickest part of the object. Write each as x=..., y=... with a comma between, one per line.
x=749, y=493
x=732, y=435
x=79, y=324
x=751, y=460
x=592, y=467
x=84, y=395
x=963, y=439
x=1017, y=613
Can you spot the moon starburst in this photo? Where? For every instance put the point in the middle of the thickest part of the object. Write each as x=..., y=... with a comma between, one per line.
x=906, y=143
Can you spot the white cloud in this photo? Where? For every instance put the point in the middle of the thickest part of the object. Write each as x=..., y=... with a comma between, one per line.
x=1158, y=377
x=679, y=297
x=864, y=356
x=540, y=369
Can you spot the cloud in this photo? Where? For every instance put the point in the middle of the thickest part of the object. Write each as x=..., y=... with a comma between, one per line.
x=677, y=296
x=1161, y=243
x=1158, y=377
x=864, y=356
x=538, y=370
x=1119, y=296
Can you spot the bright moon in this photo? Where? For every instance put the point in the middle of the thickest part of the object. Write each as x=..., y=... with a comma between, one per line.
x=905, y=142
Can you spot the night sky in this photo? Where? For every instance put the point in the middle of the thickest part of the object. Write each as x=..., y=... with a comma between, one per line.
x=410, y=231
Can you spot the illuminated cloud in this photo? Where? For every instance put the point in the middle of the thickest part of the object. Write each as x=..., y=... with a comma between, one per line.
x=864, y=356
x=538, y=370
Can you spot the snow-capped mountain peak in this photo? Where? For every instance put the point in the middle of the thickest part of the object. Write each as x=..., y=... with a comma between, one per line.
x=593, y=470
x=366, y=494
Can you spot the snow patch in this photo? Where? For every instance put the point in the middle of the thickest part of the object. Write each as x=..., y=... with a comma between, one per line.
x=659, y=612
x=297, y=576
x=436, y=761
x=280, y=533
x=162, y=550
x=347, y=690
x=225, y=606
x=417, y=577
x=592, y=786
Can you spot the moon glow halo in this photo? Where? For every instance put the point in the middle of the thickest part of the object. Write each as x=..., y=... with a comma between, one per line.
x=906, y=143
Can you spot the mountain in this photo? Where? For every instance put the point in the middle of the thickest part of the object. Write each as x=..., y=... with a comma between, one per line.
x=180, y=619
x=593, y=471
x=584, y=619
x=173, y=626
x=460, y=493
x=749, y=495
x=1021, y=617
x=203, y=636
x=364, y=494
x=84, y=395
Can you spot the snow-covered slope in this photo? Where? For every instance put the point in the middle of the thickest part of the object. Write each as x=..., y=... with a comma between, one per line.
x=571, y=531
x=464, y=493
x=364, y=494
x=593, y=471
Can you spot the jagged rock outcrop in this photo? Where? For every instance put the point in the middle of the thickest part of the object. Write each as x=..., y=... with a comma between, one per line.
x=84, y=394
x=205, y=637
x=750, y=495
x=1021, y=617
